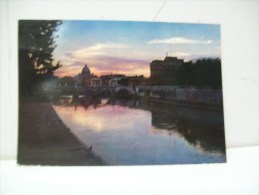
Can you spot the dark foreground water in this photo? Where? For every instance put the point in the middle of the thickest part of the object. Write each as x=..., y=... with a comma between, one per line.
x=127, y=132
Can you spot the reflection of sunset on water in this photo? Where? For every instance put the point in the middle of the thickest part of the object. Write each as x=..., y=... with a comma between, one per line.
x=103, y=119
x=124, y=135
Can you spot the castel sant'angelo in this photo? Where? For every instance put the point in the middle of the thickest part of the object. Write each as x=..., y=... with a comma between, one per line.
x=164, y=71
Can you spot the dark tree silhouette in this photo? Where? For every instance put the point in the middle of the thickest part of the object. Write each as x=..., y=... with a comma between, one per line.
x=185, y=74
x=208, y=73
x=202, y=73
x=36, y=45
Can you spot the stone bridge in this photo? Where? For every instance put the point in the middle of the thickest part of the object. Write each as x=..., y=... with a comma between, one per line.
x=87, y=90
x=169, y=93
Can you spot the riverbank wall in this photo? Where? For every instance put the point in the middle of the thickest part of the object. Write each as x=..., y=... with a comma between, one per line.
x=177, y=94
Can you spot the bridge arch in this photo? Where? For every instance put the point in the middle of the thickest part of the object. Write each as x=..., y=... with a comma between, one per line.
x=124, y=90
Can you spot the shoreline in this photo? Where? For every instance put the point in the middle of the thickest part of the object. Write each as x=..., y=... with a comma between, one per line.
x=45, y=140
x=196, y=105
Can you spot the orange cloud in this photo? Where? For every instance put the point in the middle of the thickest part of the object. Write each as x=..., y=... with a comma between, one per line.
x=103, y=59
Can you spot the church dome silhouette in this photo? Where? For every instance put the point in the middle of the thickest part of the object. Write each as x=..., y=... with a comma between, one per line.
x=85, y=71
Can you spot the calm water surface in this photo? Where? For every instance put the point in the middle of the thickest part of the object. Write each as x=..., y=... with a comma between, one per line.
x=135, y=133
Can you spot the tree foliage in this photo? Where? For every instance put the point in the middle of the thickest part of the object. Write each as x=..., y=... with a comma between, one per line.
x=202, y=73
x=36, y=45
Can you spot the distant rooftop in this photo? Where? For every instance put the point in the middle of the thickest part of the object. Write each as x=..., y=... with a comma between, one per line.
x=169, y=58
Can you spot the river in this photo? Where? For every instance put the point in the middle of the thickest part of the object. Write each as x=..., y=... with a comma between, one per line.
x=134, y=132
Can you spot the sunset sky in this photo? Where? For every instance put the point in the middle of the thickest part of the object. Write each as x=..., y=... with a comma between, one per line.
x=116, y=47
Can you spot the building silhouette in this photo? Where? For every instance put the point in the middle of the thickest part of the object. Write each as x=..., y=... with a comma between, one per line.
x=164, y=71
x=84, y=78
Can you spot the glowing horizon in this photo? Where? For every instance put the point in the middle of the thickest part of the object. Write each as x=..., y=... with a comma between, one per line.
x=116, y=47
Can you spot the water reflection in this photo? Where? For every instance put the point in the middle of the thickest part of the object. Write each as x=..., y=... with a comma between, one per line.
x=202, y=128
x=137, y=132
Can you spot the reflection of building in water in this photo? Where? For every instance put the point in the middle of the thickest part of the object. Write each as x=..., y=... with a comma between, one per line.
x=164, y=71
x=205, y=131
